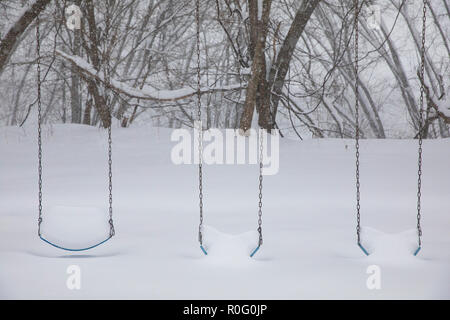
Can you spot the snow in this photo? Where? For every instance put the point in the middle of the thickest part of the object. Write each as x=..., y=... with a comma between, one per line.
x=395, y=248
x=309, y=248
x=146, y=92
x=260, y=9
x=443, y=106
x=228, y=249
x=75, y=227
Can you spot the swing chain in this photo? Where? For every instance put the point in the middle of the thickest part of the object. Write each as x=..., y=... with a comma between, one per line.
x=39, y=84
x=38, y=51
x=200, y=127
x=260, y=242
x=357, y=133
x=200, y=145
x=111, y=223
x=109, y=103
x=421, y=125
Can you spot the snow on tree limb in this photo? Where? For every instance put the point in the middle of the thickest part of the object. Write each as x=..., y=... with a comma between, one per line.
x=146, y=93
x=442, y=108
x=441, y=105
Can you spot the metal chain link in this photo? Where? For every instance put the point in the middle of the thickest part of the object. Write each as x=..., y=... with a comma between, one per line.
x=357, y=133
x=421, y=125
x=108, y=101
x=200, y=127
x=38, y=48
x=38, y=51
x=261, y=144
x=200, y=144
x=111, y=223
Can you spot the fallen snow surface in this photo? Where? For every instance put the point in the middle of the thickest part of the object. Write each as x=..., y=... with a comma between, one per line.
x=309, y=248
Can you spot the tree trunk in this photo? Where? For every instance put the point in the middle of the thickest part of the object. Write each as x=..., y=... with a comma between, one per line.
x=12, y=38
x=75, y=100
x=257, y=88
x=87, y=112
x=263, y=91
x=279, y=70
x=99, y=100
x=14, y=120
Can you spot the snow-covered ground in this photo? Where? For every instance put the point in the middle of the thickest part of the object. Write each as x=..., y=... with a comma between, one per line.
x=309, y=246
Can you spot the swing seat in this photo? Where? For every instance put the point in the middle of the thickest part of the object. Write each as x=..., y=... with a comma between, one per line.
x=391, y=246
x=251, y=254
x=75, y=228
x=363, y=249
x=71, y=249
x=227, y=246
x=204, y=250
x=254, y=251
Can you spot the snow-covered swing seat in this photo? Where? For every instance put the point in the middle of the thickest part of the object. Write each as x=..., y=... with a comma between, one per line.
x=71, y=228
x=223, y=242
x=419, y=134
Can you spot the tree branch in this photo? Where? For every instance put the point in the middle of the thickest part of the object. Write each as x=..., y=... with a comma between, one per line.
x=146, y=93
x=12, y=38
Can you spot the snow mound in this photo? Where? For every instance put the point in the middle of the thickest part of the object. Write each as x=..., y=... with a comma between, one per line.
x=392, y=247
x=75, y=227
x=227, y=248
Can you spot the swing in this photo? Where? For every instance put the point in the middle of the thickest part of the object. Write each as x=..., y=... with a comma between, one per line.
x=200, y=153
x=62, y=222
x=357, y=133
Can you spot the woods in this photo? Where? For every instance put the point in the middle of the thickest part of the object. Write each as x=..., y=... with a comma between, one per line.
x=274, y=63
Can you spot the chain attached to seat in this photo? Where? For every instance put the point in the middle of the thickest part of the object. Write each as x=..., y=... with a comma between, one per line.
x=420, y=134
x=421, y=126
x=110, y=112
x=260, y=187
x=38, y=51
x=200, y=127
x=39, y=103
x=357, y=128
x=200, y=149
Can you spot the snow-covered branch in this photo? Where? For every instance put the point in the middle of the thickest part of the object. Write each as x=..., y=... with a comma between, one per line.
x=442, y=108
x=17, y=28
x=146, y=93
x=441, y=105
